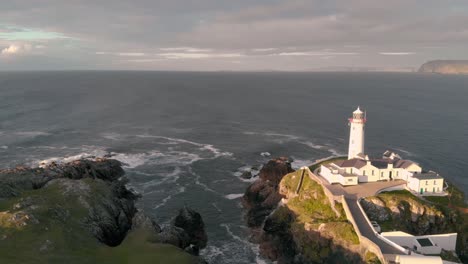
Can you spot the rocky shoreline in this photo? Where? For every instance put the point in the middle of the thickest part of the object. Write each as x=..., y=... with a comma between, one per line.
x=81, y=212
x=283, y=232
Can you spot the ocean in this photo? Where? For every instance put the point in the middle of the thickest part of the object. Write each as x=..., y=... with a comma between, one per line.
x=185, y=138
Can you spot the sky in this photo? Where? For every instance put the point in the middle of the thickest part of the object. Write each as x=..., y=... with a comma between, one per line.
x=225, y=35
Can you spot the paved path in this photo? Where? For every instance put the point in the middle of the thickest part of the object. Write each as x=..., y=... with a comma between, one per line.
x=352, y=194
x=366, y=230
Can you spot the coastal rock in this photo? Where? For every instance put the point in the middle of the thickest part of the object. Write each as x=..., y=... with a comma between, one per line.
x=246, y=175
x=186, y=231
x=175, y=236
x=192, y=223
x=262, y=196
x=60, y=212
x=275, y=169
x=142, y=221
x=376, y=209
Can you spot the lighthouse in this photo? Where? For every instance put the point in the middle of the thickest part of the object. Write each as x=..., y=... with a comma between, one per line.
x=356, y=134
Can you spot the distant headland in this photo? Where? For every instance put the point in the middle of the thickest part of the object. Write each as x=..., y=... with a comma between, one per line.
x=445, y=67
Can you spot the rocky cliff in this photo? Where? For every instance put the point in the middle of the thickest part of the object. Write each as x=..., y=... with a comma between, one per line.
x=445, y=67
x=82, y=212
x=299, y=227
x=401, y=210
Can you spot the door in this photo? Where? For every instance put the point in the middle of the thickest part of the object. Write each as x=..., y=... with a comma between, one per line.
x=422, y=190
x=390, y=175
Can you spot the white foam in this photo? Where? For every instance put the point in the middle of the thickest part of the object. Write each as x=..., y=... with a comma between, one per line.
x=234, y=196
x=298, y=163
x=212, y=252
x=165, y=200
x=215, y=151
x=84, y=155
x=198, y=182
x=170, y=177
x=112, y=136
x=32, y=133
x=236, y=237
x=131, y=161
x=404, y=151
x=216, y=207
x=265, y=154
x=4, y=147
x=311, y=145
x=335, y=152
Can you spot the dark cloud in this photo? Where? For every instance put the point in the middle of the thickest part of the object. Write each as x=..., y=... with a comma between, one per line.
x=240, y=35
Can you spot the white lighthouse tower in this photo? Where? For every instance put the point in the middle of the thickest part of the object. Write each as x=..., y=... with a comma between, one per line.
x=356, y=134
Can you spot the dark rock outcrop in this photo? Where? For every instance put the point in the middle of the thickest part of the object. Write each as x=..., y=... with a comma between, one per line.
x=187, y=231
x=445, y=67
x=262, y=196
x=88, y=199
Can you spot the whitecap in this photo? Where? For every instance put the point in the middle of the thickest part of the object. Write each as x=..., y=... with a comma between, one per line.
x=84, y=155
x=311, y=145
x=4, y=147
x=198, y=182
x=215, y=151
x=265, y=154
x=335, y=152
x=298, y=163
x=131, y=161
x=234, y=196
x=32, y=133
x=165, y=200
x=111, y=136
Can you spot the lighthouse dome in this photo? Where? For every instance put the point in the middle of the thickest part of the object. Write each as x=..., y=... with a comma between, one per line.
x=358, y=111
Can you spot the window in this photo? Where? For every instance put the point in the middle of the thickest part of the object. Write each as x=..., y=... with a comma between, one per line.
x=426, y=182
x=364, y=172
x=372, y=172
x=435, y=182
x=381, y=174
x=397, y=173
x=425, y=189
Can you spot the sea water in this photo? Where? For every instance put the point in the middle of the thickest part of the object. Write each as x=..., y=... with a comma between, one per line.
x=185, y=138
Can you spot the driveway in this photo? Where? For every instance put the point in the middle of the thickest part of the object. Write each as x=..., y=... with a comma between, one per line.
x=352, y=194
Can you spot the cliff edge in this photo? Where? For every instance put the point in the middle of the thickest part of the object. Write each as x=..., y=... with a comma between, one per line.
x=294, y=222
x=82, y=212
x=445, y=67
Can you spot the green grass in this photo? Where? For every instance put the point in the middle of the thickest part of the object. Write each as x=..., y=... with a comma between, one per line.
x=371, y=258
x=61, y=219
x=344, y=231
x=312, y=206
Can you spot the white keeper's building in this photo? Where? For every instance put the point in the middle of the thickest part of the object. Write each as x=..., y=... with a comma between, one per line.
x=360, y=168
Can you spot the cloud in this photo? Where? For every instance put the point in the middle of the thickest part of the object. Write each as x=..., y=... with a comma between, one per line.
x=131, y=54
x=186, y=49
x=181, y=55
x=12, y=49
x=16, y=48
x=310, y=53
x=396, y=53
x=125, y=54
x=15, y=33
x=264, y=49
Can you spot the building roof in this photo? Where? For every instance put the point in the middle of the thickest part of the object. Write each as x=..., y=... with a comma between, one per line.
x=351, y=163
x=380, y=163
x=427, y=176
x=403, y=163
